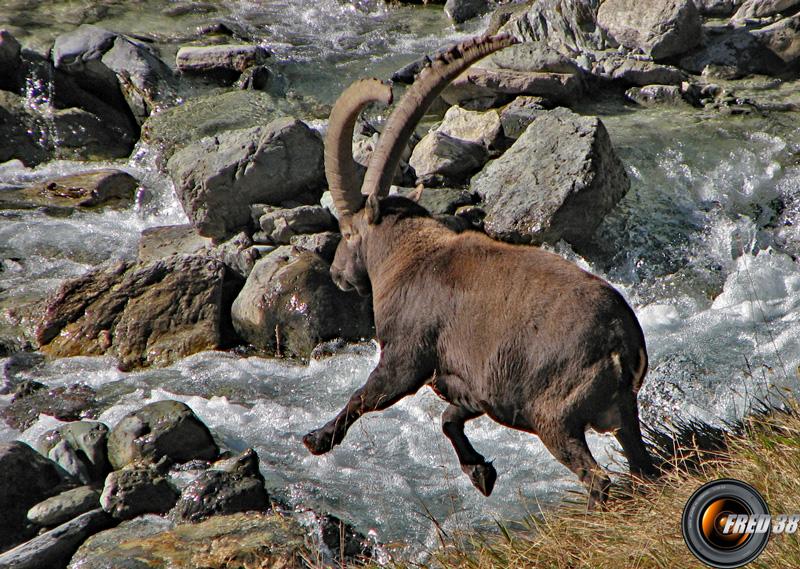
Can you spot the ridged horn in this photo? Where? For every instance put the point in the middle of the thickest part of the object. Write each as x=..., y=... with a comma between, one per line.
x=431, y=81
x=339, y=168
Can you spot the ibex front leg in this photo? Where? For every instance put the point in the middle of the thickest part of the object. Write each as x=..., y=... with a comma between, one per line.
x=397, y=375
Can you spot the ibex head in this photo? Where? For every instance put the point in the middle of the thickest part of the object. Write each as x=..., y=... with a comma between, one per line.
x=361, y=208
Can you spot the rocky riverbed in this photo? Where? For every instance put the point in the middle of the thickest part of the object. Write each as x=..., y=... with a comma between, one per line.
x=166, y=236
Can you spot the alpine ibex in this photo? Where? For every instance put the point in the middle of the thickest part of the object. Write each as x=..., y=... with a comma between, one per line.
x=511, y=331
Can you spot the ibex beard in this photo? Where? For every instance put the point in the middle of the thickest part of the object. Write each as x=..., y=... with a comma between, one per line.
x=510, y=331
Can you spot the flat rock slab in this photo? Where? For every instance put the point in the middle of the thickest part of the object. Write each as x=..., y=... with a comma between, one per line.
x=66, y=403
x=219, y=58
x=86, y=189
x=557, y=181
x=477, y=83
x=65, y=506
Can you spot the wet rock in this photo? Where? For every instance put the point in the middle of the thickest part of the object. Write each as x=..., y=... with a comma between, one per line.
x=568, y=26
x=69, y=403
x=501, y=85
x=338, y=541
x=218, y=178
x=10, y=61
x=281, y=224
x=225, y=62
x=143, y=315
x=55, y=547
x=652, y=95
x=18, y=124
x=65, y=506
x=441, y=201
x=81, y=449
x=174, y=128
x=659, y=28
x=473, y=126
x=230, y=486
x=85, y=189
x=782, y=39
x=162, y=429
x=221, y=542
x=717, y=8
x=517, y=115
x=738, y=51
x=290, y=304
x=763, y=8
x=460, y=11
x=26, y=478
x=557, y=181
x=137, y=490
x=322, y=244
x=263, y=78
x=440, y=159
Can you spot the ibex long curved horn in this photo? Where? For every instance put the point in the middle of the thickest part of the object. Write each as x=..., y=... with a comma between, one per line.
x=339, y=168
x=430, y=82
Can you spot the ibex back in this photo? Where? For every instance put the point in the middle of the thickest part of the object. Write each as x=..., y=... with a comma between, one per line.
x=510, y=331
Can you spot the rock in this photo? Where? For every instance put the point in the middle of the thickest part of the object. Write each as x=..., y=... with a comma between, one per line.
x=280, y=224
x=26, y=478
x=739, y=52
x=221, y=542
x=659, y=28
x=65, y=506
x=532, y=56
x=336, y=539
x=55, y=547
x=557, y=181
x=81, y=441
x=162, y=429
x=137, y=490
x=460, y=11
x=322, y=244
x=441, y=201
x=289, y=304
x=70, y=403
x=568, y=26
x=652, y=95
x=762, y=8
x=231, y=486
x=517, y=115
x=10, y=60
x=502, y=84
x=263, y=78
x=472, y=126
x=236, y=253
x=782, y=39
x=218, y=178
x=85, y=189
x=174, y=128
x=224, y=61
x=638, y=72
x=440, y=159
x=150, y=315
x=717, y=8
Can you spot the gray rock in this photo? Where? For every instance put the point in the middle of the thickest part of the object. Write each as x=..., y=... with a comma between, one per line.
x=782, y=39
x=659, y=28
x=557, y=181
x=10, y=60
x=26, y=478
x=110, y=549
x=85, y=189
x=653, y=95
x=226, y=61
x=162, y=429
x=738, y=51
x=55, y=547
x=322, y=244
x=137, y=490
x=717, y=8
x=218, y=178
x=65, y=506
x=568, y=26
x=763, y=8
x=289, y=304
x=460, y=11
x=150, y=315
x=82, y=444
x=532, y=56
x=282, y=224
x=482, y=128
x=66, y=403
x=637, y=72
x=440, y=159
x=263, y=78
x=517, y=115
x=441, y=201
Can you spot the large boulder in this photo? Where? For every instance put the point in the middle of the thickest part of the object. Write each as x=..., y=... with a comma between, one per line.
x=218, y=178
x=66, y=403
x=460, y=11
x=763, y=8
x=224, y=61
x=568, y=26
x=143, y=315
x=164, y=429
x=483, y=128
x=717, y=8
x=26, y=478
x=289, y=304
x=782, y=39
x=10, y=60
x=440, y=159
x=737, y=52
x=137, y=490
x=79, y=447
x=557, y=181
x=659, y=28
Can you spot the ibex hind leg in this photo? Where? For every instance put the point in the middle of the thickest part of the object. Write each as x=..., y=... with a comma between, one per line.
x=481, y=473
x=569, y=447
x=629, y=435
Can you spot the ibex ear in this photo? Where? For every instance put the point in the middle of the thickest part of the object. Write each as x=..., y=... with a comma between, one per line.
x=373, y=209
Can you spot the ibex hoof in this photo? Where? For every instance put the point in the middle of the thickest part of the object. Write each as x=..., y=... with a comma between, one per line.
x=318, y=441
x=482, y=476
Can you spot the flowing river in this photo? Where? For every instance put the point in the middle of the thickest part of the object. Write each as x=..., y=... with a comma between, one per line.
x=703, y=246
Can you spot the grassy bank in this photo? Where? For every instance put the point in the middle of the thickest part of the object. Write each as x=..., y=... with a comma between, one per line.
x=640, y=528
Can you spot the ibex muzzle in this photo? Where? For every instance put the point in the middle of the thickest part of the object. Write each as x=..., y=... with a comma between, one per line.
x=510, y=331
